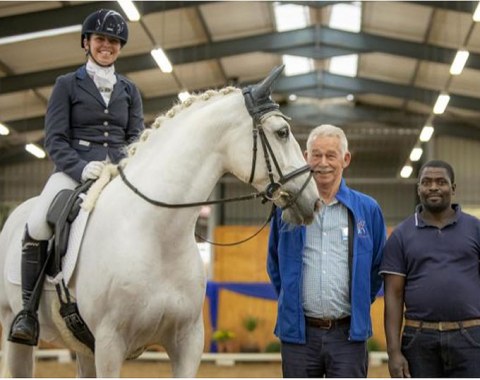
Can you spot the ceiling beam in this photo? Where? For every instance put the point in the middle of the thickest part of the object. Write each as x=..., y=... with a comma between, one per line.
x=302, y=42
x=459, y=6
x=310, y=115
x=326, y=80
x=74, y=15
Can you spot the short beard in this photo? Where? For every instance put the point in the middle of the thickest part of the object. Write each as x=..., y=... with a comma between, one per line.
x=436, y=209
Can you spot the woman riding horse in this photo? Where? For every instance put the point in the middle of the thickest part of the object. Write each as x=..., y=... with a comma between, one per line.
x=92, y=114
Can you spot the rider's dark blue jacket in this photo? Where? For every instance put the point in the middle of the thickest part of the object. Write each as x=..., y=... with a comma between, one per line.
x=285, y=262
x=80, y=127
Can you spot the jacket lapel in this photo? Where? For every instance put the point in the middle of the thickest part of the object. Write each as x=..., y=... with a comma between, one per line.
x=86, y=83
x=118, y=88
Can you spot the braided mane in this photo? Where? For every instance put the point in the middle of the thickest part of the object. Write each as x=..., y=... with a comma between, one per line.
x=174, y=111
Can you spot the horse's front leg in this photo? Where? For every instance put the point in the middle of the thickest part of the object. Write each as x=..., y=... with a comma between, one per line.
x=85, y=366
x=185, y=348
x=109, y=353
x=19, y=360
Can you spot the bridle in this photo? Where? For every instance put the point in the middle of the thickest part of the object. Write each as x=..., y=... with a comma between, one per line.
x=272, y=191
x=260, y=106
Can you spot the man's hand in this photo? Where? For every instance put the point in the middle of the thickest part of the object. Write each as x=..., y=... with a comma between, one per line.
x=398, y=365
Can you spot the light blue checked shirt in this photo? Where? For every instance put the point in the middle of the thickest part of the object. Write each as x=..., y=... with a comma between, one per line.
x=325, y=264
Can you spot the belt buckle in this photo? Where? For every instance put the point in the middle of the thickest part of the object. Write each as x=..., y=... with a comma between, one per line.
x=440, y=326
x=328, y=326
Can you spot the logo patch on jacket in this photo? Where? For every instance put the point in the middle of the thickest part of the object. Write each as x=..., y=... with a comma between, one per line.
x=361, y=228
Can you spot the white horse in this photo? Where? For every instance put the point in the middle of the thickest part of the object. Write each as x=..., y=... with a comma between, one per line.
x=139, y=279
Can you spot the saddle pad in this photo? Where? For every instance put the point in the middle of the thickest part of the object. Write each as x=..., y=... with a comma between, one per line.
x=69, y=261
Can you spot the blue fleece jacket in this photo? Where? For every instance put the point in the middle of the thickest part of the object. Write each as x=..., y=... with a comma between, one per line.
x=284, y=265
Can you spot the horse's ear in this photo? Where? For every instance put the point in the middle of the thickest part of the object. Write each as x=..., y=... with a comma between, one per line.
x=265, y=87
x=257, y=97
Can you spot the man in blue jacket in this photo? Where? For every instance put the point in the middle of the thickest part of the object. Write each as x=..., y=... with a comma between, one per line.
x=326, y=274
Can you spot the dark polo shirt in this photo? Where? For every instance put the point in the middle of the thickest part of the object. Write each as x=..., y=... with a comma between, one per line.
x=440, y=266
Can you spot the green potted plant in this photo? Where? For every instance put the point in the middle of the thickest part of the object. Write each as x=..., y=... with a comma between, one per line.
x=273, y=346
x=250, y=324
x=223, y=337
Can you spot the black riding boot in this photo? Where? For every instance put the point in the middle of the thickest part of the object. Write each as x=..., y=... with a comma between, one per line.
x=25, y=326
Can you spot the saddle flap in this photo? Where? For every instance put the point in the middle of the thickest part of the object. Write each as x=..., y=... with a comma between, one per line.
x=58, y=206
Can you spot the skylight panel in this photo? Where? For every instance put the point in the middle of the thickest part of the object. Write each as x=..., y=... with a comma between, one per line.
x=297, y=65
x=344, y=65
x=346, y=17
x=291, y=16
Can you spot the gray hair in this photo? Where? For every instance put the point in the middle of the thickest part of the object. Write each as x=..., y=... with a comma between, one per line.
x=329, y=130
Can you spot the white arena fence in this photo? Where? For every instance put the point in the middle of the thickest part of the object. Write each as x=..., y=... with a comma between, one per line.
x=226, y=359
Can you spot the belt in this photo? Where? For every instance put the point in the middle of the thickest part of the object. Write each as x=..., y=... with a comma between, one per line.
x=443, y=326
x=327, y=324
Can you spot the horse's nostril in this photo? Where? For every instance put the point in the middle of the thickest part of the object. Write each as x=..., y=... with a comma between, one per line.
x=318, y=205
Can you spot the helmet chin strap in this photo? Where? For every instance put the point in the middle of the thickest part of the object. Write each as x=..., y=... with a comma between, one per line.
x=88, y=53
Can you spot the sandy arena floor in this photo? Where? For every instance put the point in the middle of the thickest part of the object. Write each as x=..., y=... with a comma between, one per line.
x=143, y=369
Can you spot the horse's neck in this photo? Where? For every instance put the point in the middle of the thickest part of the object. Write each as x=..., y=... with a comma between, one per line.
x=178, y=167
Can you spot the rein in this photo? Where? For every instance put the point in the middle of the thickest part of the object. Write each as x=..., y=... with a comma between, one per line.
x=186, y=205
x=204, y=203
x=260, y=106
x=272, y=211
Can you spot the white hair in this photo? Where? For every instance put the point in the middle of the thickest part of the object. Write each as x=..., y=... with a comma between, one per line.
x=329, y=130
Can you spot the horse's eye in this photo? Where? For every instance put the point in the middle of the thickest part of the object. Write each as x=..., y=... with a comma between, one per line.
x=283, y=133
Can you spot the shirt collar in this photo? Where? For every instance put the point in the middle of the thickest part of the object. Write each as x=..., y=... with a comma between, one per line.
x=420, y=222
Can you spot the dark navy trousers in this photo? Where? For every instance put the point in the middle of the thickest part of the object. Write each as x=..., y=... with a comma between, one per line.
x=327, y=353
x=432, y=353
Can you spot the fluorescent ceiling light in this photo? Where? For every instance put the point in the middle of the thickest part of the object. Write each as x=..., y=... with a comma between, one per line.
x=4, y=130
x=406, y=171
x=416, y=154
x=346, y=17
x=35, y=150
x=459, y=62
x=130, y=9
x=291, y=16
x=292, y=97
x=41, y=34
x=344, y=65
x=441, y=104
x=426, y=134
x=183, y=95
x=476, y=15
x=162, y=60
x=297, y=65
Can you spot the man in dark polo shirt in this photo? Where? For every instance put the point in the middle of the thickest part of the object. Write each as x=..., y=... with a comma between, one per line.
x=431, y=266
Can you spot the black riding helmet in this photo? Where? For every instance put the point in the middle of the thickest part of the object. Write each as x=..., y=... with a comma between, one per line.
x=107, y=23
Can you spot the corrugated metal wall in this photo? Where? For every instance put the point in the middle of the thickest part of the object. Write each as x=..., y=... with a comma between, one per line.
x=464, y=156
x=19, y=182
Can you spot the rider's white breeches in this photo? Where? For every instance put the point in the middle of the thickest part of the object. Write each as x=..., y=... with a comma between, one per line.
x=38, y=227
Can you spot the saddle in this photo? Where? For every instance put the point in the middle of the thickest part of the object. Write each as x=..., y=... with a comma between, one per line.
x=61, y=214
